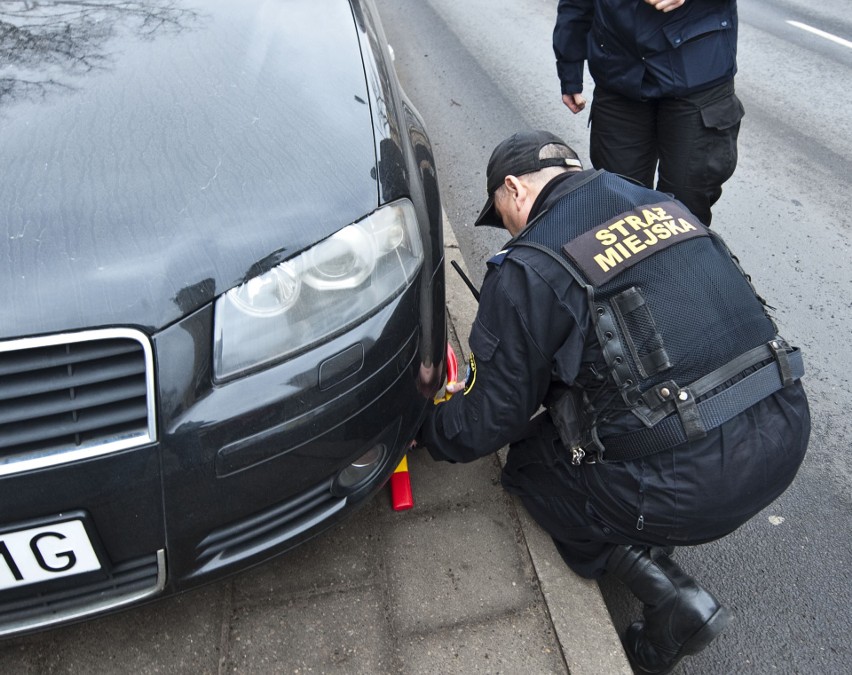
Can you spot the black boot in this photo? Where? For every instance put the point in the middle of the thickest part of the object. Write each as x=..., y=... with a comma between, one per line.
x=680, y=617
x=666, y=550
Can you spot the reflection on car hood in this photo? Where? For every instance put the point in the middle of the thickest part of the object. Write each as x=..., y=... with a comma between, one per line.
x=155, y=154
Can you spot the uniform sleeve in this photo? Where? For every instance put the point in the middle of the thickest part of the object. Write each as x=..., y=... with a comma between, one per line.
x=520, y=325
x=573, y=21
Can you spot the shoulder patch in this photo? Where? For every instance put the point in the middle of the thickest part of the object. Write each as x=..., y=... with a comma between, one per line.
x=470, y=379
x=607, y=250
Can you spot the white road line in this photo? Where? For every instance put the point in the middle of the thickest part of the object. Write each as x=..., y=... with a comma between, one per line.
x=822, y=33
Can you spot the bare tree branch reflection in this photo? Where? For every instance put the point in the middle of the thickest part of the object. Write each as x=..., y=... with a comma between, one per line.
x=45, y=46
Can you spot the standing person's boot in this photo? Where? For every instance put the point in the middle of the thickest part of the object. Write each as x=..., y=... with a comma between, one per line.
x=680, y=617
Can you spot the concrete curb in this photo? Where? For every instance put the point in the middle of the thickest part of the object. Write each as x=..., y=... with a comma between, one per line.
x=587, y=637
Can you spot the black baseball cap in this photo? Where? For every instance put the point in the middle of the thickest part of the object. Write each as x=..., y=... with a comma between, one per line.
x=516, y=156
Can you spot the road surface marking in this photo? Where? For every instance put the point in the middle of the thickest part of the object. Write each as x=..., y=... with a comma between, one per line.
x=822, y=33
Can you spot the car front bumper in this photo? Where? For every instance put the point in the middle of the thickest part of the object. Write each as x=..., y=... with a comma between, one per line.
x=239, y=472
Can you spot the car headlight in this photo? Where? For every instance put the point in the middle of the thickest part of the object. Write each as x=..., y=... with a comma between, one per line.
x=321, y=292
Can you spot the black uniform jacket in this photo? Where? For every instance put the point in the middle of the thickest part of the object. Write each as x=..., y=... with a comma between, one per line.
x=641, y=52
x=533, y=329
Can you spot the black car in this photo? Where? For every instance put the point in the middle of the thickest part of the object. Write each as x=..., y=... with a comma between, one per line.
x=223, y=293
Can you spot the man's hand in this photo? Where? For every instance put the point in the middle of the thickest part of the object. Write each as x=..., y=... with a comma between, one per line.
x=447, y=392
x=576, y=102
x=664, y=5
x=455, y=387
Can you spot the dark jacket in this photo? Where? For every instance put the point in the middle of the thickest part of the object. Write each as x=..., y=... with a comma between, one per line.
x=534, y=331
x=641, y=52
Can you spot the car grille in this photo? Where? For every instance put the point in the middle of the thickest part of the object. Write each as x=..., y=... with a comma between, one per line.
x=268, y=528
x=126, y=583
x=70, y=397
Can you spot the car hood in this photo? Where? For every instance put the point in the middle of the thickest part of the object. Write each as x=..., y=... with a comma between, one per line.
x=156, y=154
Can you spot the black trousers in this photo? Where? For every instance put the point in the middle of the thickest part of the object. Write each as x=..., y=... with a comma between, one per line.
x=535, y=473
x=691, y=141
x=688, y=495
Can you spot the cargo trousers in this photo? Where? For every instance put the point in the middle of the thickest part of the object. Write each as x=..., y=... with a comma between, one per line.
x=691, y=141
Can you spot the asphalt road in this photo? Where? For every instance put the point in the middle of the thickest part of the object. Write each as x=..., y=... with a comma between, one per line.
x=481, y=69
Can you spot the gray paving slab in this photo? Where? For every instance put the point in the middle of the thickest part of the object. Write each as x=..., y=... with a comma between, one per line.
x=337, y=632
x=443, y=485
x=522, y=643
x=456, y=566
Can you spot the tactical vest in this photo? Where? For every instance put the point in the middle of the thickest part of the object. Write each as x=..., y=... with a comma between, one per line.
x=675, y=315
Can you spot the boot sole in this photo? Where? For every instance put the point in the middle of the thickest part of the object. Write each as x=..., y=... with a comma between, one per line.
x=702, y=637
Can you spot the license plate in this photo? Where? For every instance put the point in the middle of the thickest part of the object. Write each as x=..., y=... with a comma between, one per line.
x=44, y=553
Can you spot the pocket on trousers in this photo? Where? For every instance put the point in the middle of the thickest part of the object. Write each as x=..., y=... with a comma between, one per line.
x=722, y=114
x=721, y=120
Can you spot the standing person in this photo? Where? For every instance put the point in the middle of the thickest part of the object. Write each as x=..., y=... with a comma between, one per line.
x=674, y=410
x=664, y=90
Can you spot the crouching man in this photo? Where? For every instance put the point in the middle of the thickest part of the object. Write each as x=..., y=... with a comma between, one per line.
x=674, y=409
